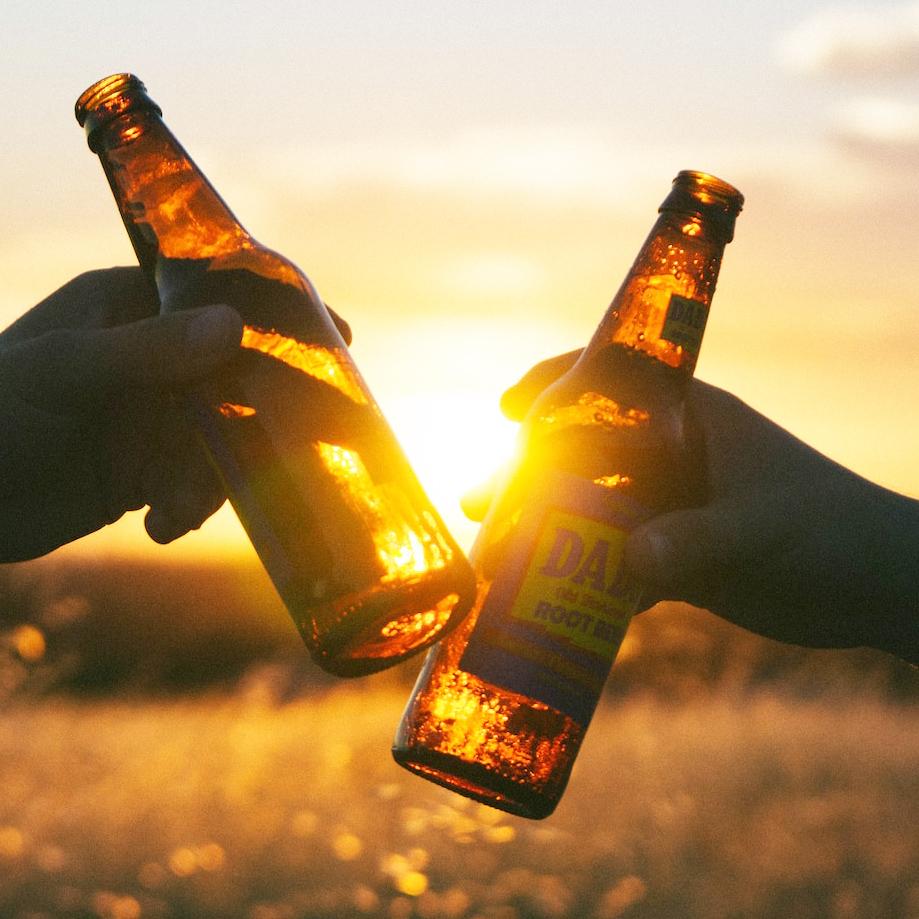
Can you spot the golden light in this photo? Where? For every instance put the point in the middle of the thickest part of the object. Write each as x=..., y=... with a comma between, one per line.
x=29, y=643
x=12, y=842
x=399, y=544
x=412, y=883
x=346, y=846
x=235, y=410
x=317, y=361
x=613, y=481
x=455, y=440
x=439, y=382
x=594, y=408
x=183, y=862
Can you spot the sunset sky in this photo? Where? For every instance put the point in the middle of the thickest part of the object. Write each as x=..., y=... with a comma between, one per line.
x=468, y=182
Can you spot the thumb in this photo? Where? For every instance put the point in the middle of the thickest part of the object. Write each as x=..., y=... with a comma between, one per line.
x=674, y=549
x=80, y=366
x=516, y=401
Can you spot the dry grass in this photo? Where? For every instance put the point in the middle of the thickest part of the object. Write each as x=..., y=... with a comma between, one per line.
x=235, y=805
x=166, y=750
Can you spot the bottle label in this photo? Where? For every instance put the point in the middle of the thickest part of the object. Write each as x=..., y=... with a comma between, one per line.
x=559, y=606
x=684, y=323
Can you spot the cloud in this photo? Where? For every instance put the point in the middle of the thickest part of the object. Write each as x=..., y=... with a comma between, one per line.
x=856, y=42
x=560, y=164
x=885, y=130
x=556, y=166
x=871, y=49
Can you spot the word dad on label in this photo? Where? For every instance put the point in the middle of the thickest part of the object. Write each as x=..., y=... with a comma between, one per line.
x=575, y=587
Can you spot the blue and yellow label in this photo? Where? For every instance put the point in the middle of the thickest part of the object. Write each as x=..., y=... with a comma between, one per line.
x=575, y=587
x=559, y=606
x=684, y=323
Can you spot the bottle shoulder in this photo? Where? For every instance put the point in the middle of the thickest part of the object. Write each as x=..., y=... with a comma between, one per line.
x=614, y=378
x=617, y=417
x=265, y=287
x=266, y=263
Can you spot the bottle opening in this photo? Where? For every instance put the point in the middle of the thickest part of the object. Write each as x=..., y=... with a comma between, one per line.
x=109, y=98
x=709, y=189
x=705, y=196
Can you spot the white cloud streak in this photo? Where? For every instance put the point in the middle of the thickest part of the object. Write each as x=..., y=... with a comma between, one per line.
x=874, y=50
x=563, y=164
x=559, y=167
x=856, y=42
x=880, y=128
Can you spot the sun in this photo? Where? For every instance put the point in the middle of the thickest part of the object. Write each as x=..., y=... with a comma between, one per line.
x=439, y=382
x=455, y=441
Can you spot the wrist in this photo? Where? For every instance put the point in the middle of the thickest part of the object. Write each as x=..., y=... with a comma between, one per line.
x=892, y=613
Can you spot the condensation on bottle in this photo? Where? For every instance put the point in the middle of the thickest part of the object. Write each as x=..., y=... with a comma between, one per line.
x=357, y=552
x=500, y=708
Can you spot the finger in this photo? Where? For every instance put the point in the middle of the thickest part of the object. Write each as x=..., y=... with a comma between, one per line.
x=516, y=401
x=182, y=494
x=674, y=550
x=187, y=511
x=83, y=367
x=93, y=300
x=476, y=501
x=340, y=324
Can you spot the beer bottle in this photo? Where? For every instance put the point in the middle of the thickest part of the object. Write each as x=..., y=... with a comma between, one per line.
x=357, y=552
x=501, y=706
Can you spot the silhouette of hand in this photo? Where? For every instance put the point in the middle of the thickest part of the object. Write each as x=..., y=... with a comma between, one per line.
x=789, y=544
x=89, y=426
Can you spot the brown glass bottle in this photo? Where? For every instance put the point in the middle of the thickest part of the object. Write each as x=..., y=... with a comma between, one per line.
x=501, y=706
x=360, y=557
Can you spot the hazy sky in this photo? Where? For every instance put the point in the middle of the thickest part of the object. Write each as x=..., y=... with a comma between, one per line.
x=468, y=182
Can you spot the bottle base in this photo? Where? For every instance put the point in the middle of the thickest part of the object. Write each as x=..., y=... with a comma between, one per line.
x=368, y=633
x=476, y=782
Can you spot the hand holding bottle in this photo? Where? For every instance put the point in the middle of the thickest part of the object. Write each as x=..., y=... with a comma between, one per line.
x=788, y=544
x=89, y=431
x=357, y=552
x=500, y=709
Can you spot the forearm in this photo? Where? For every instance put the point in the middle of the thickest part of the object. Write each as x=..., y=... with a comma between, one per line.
x=891, y=571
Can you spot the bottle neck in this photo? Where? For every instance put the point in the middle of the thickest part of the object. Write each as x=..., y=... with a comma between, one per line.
x=168, y=206
x=662, y=306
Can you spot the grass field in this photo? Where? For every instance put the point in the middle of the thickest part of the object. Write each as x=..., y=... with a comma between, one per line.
x=749, y=782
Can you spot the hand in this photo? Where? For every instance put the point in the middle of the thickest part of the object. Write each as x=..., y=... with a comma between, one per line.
x=789, y=544
x=88, y=425
x=89, y=428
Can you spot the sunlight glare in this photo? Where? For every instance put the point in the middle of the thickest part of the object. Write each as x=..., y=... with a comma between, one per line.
x=455, y=441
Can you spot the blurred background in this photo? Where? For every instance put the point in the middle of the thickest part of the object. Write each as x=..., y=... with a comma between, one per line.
x=467, y=184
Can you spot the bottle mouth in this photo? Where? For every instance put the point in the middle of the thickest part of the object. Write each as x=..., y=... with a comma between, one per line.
x=109, y=98
x=709, y=189
x=708, y=197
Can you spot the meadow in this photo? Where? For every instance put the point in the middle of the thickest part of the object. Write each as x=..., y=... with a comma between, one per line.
x=168, y=750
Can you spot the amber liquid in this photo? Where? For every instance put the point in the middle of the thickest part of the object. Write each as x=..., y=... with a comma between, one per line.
x=483, y=740
x=364, y=564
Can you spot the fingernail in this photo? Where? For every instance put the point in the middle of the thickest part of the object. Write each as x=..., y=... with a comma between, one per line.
x=213, y=330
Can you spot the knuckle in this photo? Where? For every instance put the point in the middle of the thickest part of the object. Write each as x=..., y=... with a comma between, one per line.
x=109, y=296
x=94, y=280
